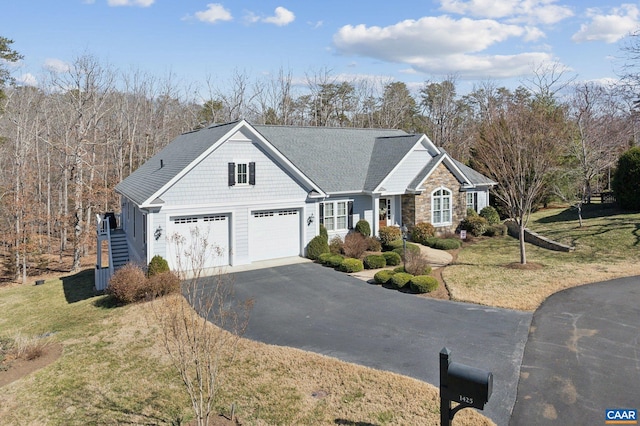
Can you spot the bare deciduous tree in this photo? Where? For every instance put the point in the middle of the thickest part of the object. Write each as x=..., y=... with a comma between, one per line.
x=201, y=331
x=519, y=149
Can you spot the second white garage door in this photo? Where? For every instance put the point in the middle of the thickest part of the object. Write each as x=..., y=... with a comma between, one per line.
x=274, y=234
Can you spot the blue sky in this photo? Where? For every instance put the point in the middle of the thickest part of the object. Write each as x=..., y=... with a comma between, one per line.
x=410, y=41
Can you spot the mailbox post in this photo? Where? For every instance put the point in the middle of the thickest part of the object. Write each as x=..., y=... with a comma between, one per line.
x=468, y=386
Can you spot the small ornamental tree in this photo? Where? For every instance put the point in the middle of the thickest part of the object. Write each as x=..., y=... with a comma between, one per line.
x=157, y=265
x=626, y=179
x=362, y=226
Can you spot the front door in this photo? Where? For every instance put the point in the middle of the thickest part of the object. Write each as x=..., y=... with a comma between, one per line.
x=384, y=214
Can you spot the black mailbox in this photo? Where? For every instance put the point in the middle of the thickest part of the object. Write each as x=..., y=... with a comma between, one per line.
x=469, y=385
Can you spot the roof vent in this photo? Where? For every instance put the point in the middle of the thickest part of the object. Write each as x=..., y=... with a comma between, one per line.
x=161, y=163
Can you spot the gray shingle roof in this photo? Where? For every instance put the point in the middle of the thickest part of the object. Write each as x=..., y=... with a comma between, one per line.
x=144, y=182
x=337, y=159
x=334, y=159
x=475, y=178
x=387, y=153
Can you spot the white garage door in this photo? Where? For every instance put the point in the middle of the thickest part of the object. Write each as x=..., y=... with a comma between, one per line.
x=202, y=239
x=274, y=234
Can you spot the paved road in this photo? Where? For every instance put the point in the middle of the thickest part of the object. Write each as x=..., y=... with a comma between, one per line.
x=317, y=309
x=583, y=356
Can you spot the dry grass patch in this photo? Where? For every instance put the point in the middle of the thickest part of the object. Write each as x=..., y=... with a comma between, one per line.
x=606, y=248
x=114, y=370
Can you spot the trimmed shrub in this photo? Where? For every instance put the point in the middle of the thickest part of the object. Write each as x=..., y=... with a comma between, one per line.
x=471, y=212
x=399, y=244
x=373, y=244
x=335, y=261
x=324, y=257
x=411, y=248
x=491, y=214
x=323, y=232
x=157, y=265
x=476, y=225
x=399, y=269
x=351, y=265
x=335, y=245
x=422, y=231
x=363, y=227
x=423, y=284
x=128, y=284
x=400, y=279
x=388, y=234
x=429, y=242
x=164, y=283
x=355, y=244
x=392, y=258
x=498, y=230
x=374, y=261
x=416, y=264
x=446, y=244
x=317, y=246
x=382, y=277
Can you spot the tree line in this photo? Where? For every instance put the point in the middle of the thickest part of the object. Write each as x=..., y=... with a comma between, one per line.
x=65, y=144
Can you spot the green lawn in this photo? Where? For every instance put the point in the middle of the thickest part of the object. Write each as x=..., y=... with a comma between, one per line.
x=606, y=247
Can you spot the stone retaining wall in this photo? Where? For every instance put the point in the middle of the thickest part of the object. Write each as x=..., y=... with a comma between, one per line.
x=536, y=239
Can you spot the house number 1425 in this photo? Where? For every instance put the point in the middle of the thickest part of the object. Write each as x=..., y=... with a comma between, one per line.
x=466, y=399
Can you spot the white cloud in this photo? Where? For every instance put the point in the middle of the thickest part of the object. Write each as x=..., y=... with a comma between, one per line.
x=610, y=27
x=514, y=11
x=483, y=66
x=141, y=3
x=251, y=18
x=443, y=45
x=281, y=18
x=27, y=79
x=56, y=65
x=215, y=12
x=426, y=36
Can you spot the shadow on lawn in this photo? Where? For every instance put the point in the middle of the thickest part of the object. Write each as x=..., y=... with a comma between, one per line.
x=589, y=211
x=352, y=423
x=80, y=286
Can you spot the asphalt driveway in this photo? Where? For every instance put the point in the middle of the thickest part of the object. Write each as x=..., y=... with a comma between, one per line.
x=583, y=356
x=317, y=309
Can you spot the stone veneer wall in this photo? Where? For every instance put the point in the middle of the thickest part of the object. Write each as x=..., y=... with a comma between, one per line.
x=417, y=208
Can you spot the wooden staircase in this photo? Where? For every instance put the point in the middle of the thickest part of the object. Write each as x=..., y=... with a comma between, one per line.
x=119, y=249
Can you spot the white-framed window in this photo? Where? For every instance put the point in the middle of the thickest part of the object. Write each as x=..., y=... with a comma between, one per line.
x=472, y=200
x=335, y=215
x=242, y=173
x=441, y=207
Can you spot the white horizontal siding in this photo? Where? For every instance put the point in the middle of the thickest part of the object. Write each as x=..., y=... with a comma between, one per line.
x=398, y=181
x=207, y=182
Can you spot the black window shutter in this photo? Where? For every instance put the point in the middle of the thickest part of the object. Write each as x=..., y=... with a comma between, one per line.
x=321, y=214
x=252, y=173
x=350, y=213
x=232, y=174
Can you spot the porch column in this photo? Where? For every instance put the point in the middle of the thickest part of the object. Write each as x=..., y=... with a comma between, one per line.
x=375, y=226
